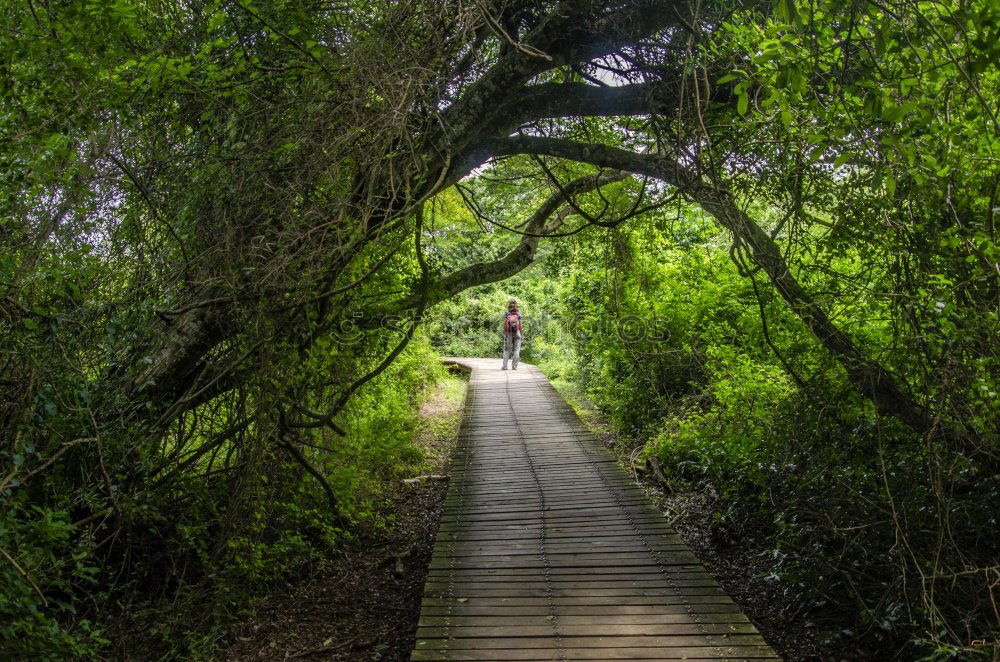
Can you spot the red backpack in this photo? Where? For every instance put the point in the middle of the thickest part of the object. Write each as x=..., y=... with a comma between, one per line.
x=512, y=326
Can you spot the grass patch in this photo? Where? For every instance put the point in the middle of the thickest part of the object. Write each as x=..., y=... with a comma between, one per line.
x=440, y=417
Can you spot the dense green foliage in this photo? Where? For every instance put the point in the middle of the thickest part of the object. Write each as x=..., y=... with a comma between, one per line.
x=762, y=235
x=711, y=374
x=207, y=547
x=845, y=496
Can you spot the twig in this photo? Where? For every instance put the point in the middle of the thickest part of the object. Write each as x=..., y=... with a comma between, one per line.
x=55, y=456
x=322, y=649
x=297, y=455
x=498, y=30
x=654, y=464
x=25, y=575
x=417, y=479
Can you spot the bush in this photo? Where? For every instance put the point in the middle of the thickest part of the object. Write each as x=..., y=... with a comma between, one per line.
x=50, y=561
x=855, y=505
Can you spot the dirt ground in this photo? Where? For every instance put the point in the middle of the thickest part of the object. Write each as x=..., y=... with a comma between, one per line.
x=365, y=604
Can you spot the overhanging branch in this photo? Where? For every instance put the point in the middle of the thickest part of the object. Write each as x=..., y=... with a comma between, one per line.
x=521, y=256
x=869, y=377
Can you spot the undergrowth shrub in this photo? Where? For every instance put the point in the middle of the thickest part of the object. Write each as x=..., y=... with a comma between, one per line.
x=202, y=551
x=885, y=536
x=49, y=561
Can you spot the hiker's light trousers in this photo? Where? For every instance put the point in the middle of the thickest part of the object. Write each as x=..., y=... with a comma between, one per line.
x=511, y=349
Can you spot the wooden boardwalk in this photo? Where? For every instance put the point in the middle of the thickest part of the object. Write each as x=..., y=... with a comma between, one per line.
x=548, y=551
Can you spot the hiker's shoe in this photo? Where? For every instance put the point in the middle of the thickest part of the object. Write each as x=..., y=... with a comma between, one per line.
x=515, y=367
x=505, y=367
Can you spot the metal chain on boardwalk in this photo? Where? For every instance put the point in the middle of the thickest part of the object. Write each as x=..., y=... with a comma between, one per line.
x=546, y=565
x=562, y=409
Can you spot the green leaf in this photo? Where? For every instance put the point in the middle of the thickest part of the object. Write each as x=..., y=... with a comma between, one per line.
x=842, y=159
x=216, y=20
x=30, y=324
x=742, y=103
x=895, y=113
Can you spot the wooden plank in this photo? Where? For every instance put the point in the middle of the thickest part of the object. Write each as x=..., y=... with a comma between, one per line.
x=599, y=540
x=531, y=503
x=592, y=629
x=555, y=534
x=579, y=600
x=652, y=572
x=643, y=587
x=652, y=641
x=460, y=591
x=569, y=574
x=552, y=517
x=588, y=620
x=552, y=652
x=638, y=524
x=566, y=561
x=706, y=610
x=581, y=521
x=446, y=551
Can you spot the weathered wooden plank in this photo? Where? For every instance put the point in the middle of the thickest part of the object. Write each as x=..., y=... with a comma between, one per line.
x=487, y=501
x=642, y=586
x=605, y=542
x=579, y=600
x=552, y=652
x=567, y=561
x=581, y=642
x=446, y=551
x=460, y=591
x=639, y=523
x=542, y=617
x=561, y=533
x=552, y=516
x=562, y=578
x=592, y=629
x=705, y=610
x=519, y=575
x=580, y=523
x=569, y=574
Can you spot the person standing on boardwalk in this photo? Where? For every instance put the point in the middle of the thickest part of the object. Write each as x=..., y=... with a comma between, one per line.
x=512, y=334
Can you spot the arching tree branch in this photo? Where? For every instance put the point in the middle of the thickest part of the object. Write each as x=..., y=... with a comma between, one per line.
x=869, y=377
x=523, y=254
